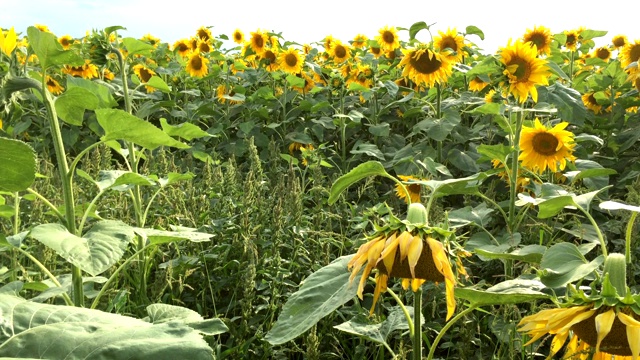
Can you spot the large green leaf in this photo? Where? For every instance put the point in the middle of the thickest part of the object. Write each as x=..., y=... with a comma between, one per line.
x=320, y=294
x=121, y=180
x=155, y=236
x=379, y=332
x=162, y=313
x=564, y=263
x=120, y=125
x=187, y=131
x=100, y=91
x=71, y=105
x=507, y=292
x=137, y=47
x=43, y=331
x=460, y=186
x=568, y=101
x=49, y=50
x=439, y=129
x=18, y=165
x=95, y=252
x=364, y=170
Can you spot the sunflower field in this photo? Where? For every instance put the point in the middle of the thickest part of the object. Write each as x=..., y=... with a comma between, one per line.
x=399, y=195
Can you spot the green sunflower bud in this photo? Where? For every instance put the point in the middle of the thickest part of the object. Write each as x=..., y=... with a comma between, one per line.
x=615, y=271
x=417, y=214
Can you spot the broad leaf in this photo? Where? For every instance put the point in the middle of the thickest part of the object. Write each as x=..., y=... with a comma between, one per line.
x=156, y=82
x=120, y=180
x=187, y=131
x=379, y=332
x=467, y=185
x=18, y=165
x=71, y=105
x=163, y=313
x=49, y=50
x=43, y=331
x=95, y=252
x=137, y=47
x=364, y=170
x=507, y=292
x=320, y=294
x=155, y=236
x=416, y=27
x=100, y=91
x=120, y=125
x=564, y=263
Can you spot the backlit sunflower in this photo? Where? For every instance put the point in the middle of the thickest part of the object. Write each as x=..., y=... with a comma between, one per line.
x=66, y=41
x=290, y=61
x=602, y=53
x=477, y=84
x=43, y=28
x=412, y=188
x=619, y=41
x=340, y=52
x=450, y=43
x=197, y=65
x=238, y=36
x=630, y=53
x=8, y=41
x=183, y=47
x=591, y=103
x=203, y=33
x=388, y=38
x=539, y=36
x=259, y=41
x=543, y=148
x=425, y=67
x=524, y=70
x=407, y=250
x=53, y=86
x=144, y=74
x=359, y=41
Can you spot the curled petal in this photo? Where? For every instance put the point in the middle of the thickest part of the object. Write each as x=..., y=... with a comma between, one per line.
x=604, y=322
x=381, y=285
x=403, y=242
x=388, y=255
x=414, y=252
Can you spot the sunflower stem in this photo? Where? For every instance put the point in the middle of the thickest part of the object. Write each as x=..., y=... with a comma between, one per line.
x=438, y=115
x=417, y=325
x=446, y=327
x=627, y=237
x=593, y=222
x=513, y=179
x=404, y=310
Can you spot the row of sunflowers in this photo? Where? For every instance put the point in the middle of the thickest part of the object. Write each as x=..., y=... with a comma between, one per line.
x=539, y=129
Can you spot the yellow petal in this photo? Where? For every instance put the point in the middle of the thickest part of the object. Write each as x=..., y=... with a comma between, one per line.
x=9, y=42
x=604, y=322
x=403, y=243
x=416, y=283
x=381, y=285
x=628, y=320
x=440, y=259
x=633, y=337
x=415, y=250
x=405, y=283
x=558, y=341
x=374, y=252
x=388, y=255
x=451, y=299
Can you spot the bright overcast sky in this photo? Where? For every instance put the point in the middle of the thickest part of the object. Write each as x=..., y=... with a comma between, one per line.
x=310, y=21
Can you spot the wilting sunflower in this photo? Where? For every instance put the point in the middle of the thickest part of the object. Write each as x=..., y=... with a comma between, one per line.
x=630, y=53
x=539, y=36
x=388, y=38
x=619, y=41
x=144, y=74
x=450, y=40
x=477, y=84
x=543, y=148
x=425, y=67
x=53, y=86
x=66, y=41
x=408, y=250
x=270, y=60
x=524, y=70
x=412, y=187
x=203, y=33
x=197, y=65
x=8, y=41
x=183, y=47
x=591, y=103
x=290, y=61
x=238, y=36
x=359, y=41
x=259, y=41
x=340, y=52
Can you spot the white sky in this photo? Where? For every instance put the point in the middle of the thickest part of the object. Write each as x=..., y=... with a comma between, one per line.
x=306, y=21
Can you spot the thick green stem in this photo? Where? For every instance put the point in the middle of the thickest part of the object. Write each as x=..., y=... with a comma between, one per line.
x=417, y=325
x=513, y=179
x=404, y=310
x=446, y=327
x=16, y=230
x=438, y=116
x=627, y=237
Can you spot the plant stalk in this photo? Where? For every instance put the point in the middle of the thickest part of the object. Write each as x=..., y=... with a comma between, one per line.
x=417, y=325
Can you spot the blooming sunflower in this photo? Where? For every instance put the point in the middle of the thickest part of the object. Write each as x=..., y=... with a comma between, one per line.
x=154, y=41
x=290, y=61
x=425, y=67
x=183, y=47
x=376, y=51
x=388, y=38
x=258, y=42
x=238, y=36
x=602, y=53
x=197, y=65
x=630, y=53
x=524, y=70
x=539, y=36
x=43, y=28
x=543, y=148
x=222, y=95
x=328, y=42
x=108, y=74
x=450, y=40
x=204, y=47
x=203, y=33
x=412, y=187
x=66, y=41
x=591, y=103
x=8, y=41
x=309, y=83
x=144, y=74
x=573, y=39
x=340, y=52
x=408, y=250
x=86, y=71
x=359, y=41
x=619, y=41
x=270, y=60
x=53, y=86
x=477, y=84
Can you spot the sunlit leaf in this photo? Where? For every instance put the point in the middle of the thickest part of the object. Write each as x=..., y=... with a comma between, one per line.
x=364, y=170
x=187, y=131
x=49, y=50
x=507, y=292
x=120, y=125
x=18, y=165
x=72, y=104
x=564, y=263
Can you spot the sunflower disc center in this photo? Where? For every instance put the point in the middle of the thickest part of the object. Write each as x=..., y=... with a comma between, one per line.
x=523, y=69
x=545, y=144
x=423, y=64
x=196, y=63
x=291, y=60
x=449, y=43
x=634, y=54
x=340, y=52
x=388, y=37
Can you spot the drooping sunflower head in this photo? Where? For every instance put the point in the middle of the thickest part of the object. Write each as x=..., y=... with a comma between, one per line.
x=412, y=188
x=66, y=41
x=183, y=47
x=546, y=148
x=630, y=53
x=388, y=38
x=238, y=36
x=359, y=41
x=259, y=41
x=203, y=33
x=539, y=36
x=619, y=41
x=524, y=70
x=197, y=65
x=290, y=61
x=340, y=52
x=450, y=43
x=425, y=67
x=591, y=103
x=415, y=256
x=54, y=86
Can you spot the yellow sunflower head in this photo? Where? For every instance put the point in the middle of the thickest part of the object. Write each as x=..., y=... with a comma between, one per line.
x=66, y=41
x=359, y=41
x=151, y=40
x=108, y=74
x=425, y=67
x=388, y=38
x=340, y=52
x=591, y=103
x=524, y=70
x=270, y=59
x=602, y=53
x=197, y=65
x=477, y=84
x=450, y=43
x=412, y=188
x=539, y=36
x=43, y=28
x=8, y=41
x=203, y=33
x=238, y=36
x=543, y=148
x=144, y=74
x=521, y=181
x=53, y=86
x=376, y=51
x=259, y=42
x=414, y=255
x=328, y=42
x=630, y=53
x=290, y=61
x=222, y=94
x=183, y=47
x=309, y=83
x=619, y=41
x=204, y=47
x=573, y=38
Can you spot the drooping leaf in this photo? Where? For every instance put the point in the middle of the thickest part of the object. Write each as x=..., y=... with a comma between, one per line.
x=567, y=100
x=95, y=252
x=507, y=292
x=18, y=165
x=319, y=295
x=163, y=313
x=187, y=131
x=368, y=149
x=416, y=27
x=378, y=332
x=121, y=180
x=174, y=178
x=460, y=186
x=474, y=30
x=364, y=170
x=156, y=82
